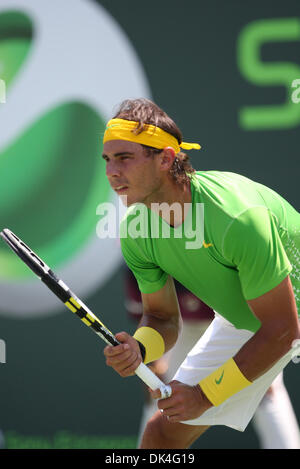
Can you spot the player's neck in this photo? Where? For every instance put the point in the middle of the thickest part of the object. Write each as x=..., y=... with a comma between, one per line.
x=171, y=202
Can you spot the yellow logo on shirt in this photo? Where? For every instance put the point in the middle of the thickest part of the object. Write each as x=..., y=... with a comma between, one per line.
x=207, y=245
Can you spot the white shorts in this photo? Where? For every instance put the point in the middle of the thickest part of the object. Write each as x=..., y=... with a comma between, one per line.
x=220, y=342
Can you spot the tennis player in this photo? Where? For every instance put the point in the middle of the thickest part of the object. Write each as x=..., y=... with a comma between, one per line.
x=233, y=243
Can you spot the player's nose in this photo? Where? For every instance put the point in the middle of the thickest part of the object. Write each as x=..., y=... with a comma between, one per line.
x=112, y=169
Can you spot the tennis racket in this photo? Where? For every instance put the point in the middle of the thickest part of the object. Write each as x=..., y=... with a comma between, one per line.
x=74, y=304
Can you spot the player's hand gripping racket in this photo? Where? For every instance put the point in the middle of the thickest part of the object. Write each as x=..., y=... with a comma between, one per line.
x=60, y=289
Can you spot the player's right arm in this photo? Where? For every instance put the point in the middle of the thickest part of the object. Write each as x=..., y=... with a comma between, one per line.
x=161, y=321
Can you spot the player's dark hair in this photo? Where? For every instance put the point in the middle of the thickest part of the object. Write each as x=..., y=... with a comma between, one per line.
x=145, y=112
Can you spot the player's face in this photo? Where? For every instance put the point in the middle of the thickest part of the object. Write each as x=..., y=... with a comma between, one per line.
x=131, y=172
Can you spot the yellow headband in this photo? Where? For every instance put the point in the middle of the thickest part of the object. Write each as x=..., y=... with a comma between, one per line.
x=121, y=129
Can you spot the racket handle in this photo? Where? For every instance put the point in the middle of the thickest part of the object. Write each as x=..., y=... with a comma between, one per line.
x=152, y=381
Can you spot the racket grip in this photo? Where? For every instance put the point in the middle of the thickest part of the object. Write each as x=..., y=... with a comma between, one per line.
x=152, y=381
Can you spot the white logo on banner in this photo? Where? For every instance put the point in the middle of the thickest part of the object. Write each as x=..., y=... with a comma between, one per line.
x=79, y=53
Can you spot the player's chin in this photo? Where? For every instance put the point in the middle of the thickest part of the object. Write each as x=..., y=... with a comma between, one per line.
x=127, y=199
x=130, y=199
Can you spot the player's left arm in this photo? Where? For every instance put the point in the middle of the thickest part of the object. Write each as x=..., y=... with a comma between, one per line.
x=278, y=315
x=252, y=243
x=277, y=312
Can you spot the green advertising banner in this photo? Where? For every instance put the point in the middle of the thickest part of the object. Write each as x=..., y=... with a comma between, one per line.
x=227, y=72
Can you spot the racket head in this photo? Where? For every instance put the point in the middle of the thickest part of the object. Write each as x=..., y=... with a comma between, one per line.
x=27, y=255
x=57, y=286
x=35, y=263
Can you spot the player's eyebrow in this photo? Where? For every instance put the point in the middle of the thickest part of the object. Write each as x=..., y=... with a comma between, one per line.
x=122, y=153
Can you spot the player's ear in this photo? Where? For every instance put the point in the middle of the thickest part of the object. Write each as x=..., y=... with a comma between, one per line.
x=167, y=158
